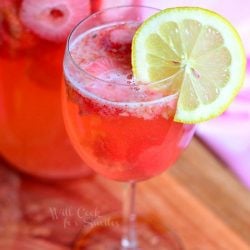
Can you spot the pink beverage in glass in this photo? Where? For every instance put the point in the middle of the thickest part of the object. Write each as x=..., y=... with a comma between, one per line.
x=123, y=129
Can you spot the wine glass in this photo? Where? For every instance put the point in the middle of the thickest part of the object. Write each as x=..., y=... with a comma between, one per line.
x=122, y=128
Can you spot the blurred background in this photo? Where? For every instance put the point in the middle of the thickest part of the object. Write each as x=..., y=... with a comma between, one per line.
x=44, y=185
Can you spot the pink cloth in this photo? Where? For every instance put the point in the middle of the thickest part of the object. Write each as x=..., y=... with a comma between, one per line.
x=229, y=135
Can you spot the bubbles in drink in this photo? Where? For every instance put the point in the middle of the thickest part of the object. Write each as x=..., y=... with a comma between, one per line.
x=105, y=75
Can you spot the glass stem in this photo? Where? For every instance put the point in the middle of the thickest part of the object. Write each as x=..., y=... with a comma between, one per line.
x=129, y=239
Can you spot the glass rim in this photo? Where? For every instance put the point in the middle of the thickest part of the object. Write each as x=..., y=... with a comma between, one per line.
x=91, y=76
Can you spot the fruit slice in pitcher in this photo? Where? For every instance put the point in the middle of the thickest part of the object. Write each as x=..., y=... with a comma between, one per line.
x=53, y=20
x=13, y=34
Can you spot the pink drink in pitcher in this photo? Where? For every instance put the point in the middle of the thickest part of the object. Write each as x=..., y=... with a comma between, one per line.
x=32, y=41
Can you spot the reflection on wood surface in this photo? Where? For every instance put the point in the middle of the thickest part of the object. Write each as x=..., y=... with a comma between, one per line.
x=197, y=198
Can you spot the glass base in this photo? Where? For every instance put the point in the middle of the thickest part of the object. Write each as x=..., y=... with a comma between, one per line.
x=106, y=234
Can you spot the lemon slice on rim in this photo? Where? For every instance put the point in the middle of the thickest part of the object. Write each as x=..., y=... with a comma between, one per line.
x=202, y=53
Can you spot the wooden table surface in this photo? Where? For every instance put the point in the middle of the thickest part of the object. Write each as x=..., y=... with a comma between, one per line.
x=198, y=198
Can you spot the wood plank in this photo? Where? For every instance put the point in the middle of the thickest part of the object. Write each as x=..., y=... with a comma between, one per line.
x=213, y=184
x=175, y=207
